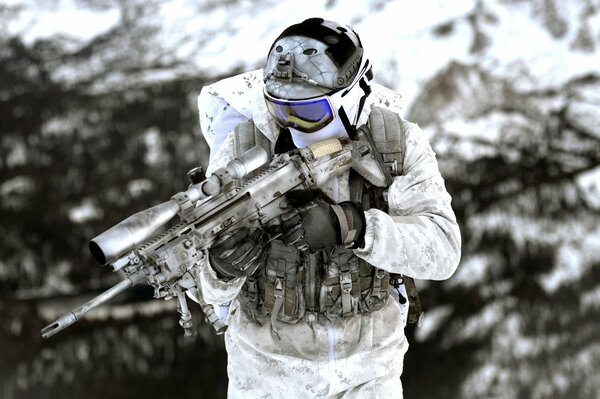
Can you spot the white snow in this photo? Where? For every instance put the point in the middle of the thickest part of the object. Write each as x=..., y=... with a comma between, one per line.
x=589, y=182
x=398, y=36
x=153, y=142
x=215, y=38
x=138, y=187
x=85, y=211
x=59, y=17
x=472, y=271
x=432, y=322
x=590, y=300
x=18, y=185
x=574, y=258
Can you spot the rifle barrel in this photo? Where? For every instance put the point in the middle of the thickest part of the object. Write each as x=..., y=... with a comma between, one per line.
x=77, y=313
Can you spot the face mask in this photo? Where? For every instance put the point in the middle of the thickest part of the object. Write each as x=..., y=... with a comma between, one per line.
x=335, y=129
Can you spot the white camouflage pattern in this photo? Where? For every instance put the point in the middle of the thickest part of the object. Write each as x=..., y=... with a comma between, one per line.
x=360, y=357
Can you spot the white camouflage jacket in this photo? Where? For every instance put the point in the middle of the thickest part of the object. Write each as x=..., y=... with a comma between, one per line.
x=419, y=237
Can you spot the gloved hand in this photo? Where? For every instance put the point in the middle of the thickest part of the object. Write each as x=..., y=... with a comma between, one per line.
x=314, y=224
x=240, y=254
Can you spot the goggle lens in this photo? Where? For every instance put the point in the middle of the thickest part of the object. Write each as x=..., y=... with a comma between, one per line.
x=305, y=115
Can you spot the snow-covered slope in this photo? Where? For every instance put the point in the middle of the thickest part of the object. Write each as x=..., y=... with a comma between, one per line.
x=538, y=44
x=507, y=91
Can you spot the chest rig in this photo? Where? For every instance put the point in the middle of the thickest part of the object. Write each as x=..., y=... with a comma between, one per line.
x=333, y=283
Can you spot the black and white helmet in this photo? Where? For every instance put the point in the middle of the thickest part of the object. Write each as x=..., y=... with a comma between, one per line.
x=315, y=72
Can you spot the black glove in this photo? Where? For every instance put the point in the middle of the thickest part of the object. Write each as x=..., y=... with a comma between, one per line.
x=240, y=254
x=314, y=224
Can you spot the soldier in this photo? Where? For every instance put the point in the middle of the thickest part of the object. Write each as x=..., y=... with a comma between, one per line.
x=310, y=311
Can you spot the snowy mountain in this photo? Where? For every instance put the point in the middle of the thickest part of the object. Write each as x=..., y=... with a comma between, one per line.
x=97, y=99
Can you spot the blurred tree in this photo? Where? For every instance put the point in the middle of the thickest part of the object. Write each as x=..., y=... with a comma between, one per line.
x=519, y=319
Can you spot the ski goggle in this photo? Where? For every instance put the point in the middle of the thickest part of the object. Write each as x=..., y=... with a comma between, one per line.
x=307, y=116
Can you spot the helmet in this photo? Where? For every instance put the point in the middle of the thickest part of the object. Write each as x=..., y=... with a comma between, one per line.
x=316, y=72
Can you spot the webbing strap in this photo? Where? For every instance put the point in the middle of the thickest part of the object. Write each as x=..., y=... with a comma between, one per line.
x=347, y=235
x=415, y=312
x=279, y=293
x=252, y=289
x=387, y=129
x=356, y=186
x=345, y=286
x=378, y=276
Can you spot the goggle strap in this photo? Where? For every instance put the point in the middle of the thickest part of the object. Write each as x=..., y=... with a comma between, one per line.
x=366, y=87
x=346, y=122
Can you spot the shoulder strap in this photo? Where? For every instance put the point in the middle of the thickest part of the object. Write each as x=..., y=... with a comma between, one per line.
x=387, y=129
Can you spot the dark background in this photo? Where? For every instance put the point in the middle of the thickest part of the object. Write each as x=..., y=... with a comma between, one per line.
x=81, y=151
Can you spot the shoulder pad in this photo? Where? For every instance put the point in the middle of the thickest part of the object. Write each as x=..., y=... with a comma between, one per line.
x=387, y=129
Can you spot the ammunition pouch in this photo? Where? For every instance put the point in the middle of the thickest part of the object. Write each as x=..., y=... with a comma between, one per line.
x=283, y=294
x=343, y=285
x=351, y=285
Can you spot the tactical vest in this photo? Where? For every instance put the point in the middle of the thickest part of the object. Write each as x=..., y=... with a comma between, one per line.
x=296, y=285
